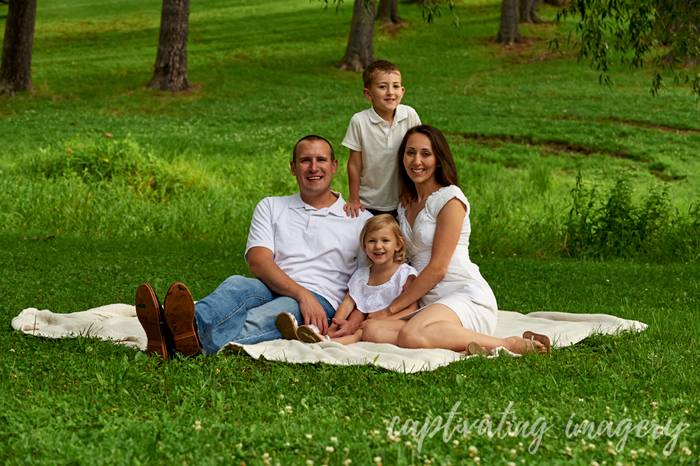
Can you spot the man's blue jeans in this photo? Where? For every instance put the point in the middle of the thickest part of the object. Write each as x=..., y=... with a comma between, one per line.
x=243, y=310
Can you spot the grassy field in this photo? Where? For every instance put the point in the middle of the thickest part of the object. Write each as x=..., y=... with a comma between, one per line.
x=522, y=122
x=169, y=197
x=87, y=402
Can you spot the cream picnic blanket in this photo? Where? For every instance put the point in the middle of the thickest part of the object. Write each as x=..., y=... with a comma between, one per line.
x=118, y=323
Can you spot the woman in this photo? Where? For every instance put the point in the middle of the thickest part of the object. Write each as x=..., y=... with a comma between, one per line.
x=461, y=309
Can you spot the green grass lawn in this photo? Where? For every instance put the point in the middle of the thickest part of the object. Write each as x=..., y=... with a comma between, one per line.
x=169, y=198
x=89, y=402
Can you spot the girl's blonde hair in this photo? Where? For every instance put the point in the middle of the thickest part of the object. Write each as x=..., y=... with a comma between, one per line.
x=377, y=223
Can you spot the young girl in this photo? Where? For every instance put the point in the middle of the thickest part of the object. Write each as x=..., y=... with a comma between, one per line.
x=371, y=289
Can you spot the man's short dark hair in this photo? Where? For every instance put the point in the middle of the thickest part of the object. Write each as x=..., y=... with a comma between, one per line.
x=312, y=138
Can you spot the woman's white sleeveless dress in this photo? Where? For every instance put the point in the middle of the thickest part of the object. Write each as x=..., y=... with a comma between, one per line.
x=463, y=289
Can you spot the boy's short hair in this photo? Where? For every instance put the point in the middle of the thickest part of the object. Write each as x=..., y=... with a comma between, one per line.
x=377, y=223
x=312, y=138
x=379, y=66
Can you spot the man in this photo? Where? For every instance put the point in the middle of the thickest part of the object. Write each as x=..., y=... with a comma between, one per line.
x=302, y=249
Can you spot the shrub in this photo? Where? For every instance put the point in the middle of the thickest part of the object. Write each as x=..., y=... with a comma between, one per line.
x=612, y=225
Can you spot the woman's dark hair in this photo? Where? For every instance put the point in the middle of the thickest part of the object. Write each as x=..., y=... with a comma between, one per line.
x=445, y=171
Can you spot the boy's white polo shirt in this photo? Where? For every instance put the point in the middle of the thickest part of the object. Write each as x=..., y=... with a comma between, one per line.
x=317, y=248
x=370, y=134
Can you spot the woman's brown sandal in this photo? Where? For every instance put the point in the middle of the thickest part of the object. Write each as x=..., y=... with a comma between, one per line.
x=544, y=339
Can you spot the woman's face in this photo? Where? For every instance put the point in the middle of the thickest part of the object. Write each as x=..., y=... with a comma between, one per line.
x=419, y=160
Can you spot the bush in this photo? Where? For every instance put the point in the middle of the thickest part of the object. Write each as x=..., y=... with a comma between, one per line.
x=612, y=225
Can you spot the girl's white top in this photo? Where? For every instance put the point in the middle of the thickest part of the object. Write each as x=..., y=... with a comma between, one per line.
x=370, y=299
x=462, y=289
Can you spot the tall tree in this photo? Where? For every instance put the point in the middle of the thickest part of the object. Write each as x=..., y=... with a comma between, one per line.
x=388, y=12
x=528, y=13
x=16, y=62
x=509, y=31
x=360, y=51
x=170, y=73
x=632, y=30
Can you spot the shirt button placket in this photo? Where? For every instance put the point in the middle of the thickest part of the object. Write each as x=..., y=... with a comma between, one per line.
x=311, y=227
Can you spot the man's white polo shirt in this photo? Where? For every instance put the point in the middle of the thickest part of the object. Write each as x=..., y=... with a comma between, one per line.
x=317, y=248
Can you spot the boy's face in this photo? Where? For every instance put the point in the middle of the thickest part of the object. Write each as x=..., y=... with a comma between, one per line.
x=385, y=92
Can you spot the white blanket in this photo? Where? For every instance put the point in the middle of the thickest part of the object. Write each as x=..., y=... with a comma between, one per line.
x=118, y=323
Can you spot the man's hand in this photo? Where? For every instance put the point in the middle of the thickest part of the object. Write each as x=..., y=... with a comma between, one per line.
x=353, y=208
x=313, y=313
x=345, y=327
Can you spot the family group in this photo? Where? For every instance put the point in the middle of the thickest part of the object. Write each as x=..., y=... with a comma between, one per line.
x=327, y=269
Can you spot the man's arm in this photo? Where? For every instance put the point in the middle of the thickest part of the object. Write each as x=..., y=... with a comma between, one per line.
x=263, y=266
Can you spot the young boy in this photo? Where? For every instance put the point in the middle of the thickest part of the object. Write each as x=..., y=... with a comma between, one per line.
x=374, y=137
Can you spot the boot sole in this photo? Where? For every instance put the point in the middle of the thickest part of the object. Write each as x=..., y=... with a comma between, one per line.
x=179, y=316
x=148, y=312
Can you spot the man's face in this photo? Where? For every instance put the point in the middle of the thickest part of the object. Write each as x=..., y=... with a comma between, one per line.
x=313, y=168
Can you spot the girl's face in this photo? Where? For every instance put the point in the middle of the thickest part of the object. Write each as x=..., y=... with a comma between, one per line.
x=419, y=159
x=380, y=245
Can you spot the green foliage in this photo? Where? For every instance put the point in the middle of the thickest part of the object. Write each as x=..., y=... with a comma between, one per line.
x=432, y=10
x=629, y=32
x=612, y=224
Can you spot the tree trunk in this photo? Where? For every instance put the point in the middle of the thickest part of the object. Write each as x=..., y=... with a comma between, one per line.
x=170, y=72
x=360, y=52
x=16, y=63
x=677, y=25
x=528, y=14
x=555, y=2
x=388, y=12
x=510, y=19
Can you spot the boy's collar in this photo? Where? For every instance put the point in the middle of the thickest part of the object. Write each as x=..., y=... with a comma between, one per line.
x=400, y=114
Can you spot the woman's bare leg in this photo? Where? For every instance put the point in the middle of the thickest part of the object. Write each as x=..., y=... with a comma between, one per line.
x=382, y=331
x=437, y=326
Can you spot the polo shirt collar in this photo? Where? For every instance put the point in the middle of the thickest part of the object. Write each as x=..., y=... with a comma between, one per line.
x=336, y=208
x=399, y=115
